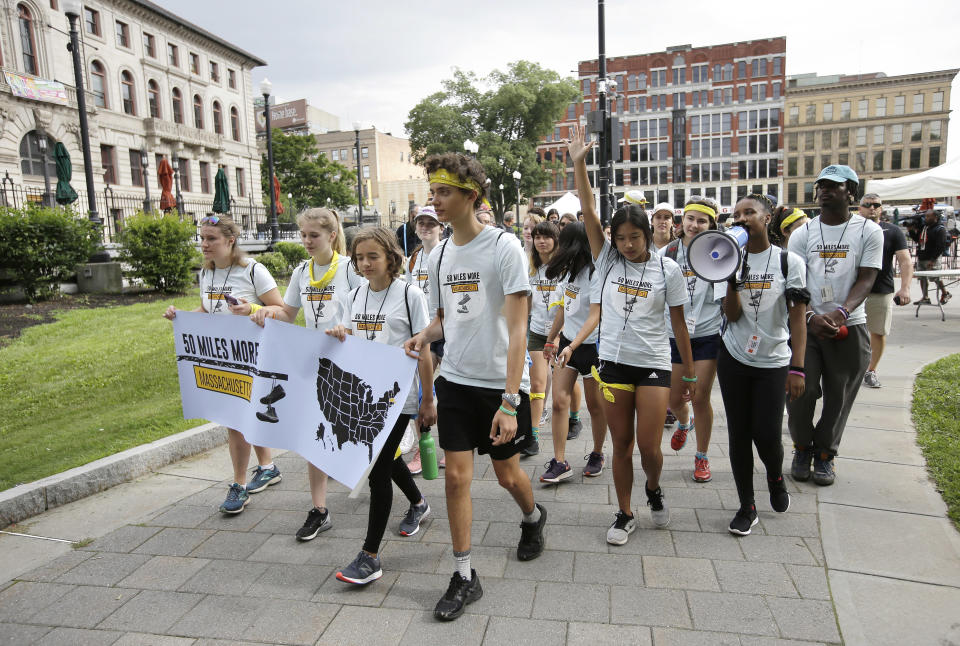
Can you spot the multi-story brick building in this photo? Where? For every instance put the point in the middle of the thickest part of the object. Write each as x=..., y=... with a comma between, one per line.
x=881, y=126
x=695, y=120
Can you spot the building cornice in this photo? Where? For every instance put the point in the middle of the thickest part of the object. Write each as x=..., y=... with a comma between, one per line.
x=945, y=76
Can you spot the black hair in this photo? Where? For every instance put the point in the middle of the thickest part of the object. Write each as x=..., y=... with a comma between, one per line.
x=545, y=229
x=573, y=253
x=635, y=215
x=762, y=199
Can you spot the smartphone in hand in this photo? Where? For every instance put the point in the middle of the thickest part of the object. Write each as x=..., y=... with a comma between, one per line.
x=230, y=299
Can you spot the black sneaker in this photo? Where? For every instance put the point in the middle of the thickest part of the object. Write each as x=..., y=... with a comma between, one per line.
x=779, y=498
x=802, y=458
x=745, y=519
x=274, y=395
x=573, y=431
x=823, y=471
x=532, y=448
x=594, y=465
x=531, y=537
x=317, y=521
x=459, y=593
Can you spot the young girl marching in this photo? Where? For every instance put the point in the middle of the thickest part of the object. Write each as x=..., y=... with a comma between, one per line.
x=231, y=283
x=319, y=285
x=578, y=316
x=387, y=310
x=765, y=308
x=543, y=292
x=634, y=350
x=701, y=311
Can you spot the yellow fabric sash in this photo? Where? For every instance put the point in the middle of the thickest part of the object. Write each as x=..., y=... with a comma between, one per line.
x=443, y=176
x=327, y=275
x=795, y=215
x=555, y=303
x=537, y=396
x=605, y=387
x=703, y=208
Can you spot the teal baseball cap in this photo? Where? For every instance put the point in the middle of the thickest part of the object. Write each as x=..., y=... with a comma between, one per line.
x=839, y=173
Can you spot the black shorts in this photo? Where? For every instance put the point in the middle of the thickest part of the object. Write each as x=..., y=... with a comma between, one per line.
x=535, y=341
x=436, y=347
x=581, y=359
x=620, y=373
x=705, y=348
x=464, y=415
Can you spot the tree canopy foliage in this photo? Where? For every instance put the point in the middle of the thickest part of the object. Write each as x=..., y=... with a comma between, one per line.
x=506, y=113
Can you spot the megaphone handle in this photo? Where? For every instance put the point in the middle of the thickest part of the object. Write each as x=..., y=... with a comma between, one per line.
x=744, y=270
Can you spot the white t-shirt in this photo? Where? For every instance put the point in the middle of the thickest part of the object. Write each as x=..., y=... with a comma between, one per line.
x=471, y=282
x=322, y=307
x=764, y=309
x=416, y=273
x=382, y=317
x=578, y=294
x=833, y=255
x=249, y=282
x=702, y=308
x=634, y=295
x=544, y=292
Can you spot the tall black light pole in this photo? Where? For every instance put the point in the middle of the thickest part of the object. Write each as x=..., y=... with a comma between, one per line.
x=144, y=158
x=73, y=8
x=266, y=87
x=604, y=172
x=356, y=130
x=42, y=142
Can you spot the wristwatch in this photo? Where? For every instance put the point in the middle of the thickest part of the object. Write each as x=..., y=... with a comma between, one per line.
x=512, y=399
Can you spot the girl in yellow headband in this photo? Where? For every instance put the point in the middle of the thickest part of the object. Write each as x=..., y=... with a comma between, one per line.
x=785, y=221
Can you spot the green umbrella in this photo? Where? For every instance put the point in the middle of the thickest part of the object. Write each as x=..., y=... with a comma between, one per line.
x=221, y=192
x=65, y=192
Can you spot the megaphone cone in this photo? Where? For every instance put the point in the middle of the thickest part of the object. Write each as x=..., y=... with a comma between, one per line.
x=714, y=256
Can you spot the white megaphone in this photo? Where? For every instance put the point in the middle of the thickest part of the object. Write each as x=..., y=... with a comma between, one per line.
x=714, y=256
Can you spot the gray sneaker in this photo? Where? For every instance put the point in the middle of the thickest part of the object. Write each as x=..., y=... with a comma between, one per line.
x=659, y=512
x=870, y=379
x=622, y=527
x=802, y=458
x=364, y=569
x=823, y=471
x=410, y=524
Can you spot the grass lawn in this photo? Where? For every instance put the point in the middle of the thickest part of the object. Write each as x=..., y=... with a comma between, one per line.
x=93, y=383
x=936, y=415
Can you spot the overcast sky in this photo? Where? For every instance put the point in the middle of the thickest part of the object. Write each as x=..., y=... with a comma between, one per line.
x=373, y=60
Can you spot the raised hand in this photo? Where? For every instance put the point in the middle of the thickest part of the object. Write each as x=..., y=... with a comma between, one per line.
x=577, y=146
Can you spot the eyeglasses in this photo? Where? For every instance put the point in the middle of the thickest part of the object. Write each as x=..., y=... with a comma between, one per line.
x=871, y=205
x=210, y=219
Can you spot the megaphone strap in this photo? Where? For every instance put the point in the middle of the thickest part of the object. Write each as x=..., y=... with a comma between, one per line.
x=605, y=387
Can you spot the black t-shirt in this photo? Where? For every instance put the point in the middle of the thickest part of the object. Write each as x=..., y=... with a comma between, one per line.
x=893, y=241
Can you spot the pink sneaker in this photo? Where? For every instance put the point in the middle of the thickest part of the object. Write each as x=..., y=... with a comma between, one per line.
x=701, y=469
x=414, y=464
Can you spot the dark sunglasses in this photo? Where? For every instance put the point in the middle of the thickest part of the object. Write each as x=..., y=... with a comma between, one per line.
x=871, y=205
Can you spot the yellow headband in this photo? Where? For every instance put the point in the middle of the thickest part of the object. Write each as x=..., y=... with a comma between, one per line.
x=443, y=176
x=795, y=215
x=703, y=208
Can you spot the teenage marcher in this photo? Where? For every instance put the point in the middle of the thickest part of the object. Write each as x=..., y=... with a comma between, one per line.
x=575, y=324
x=879, y=303
x=701, y=311
x=759, y=359
x=319, y=285
x=843, y=255
x=932, y=241
x=785, y=221
x=544, y=291
x=480, y=286
x=634, y=350
x=661, y=220
x=406, y=232
x=387, y=310
x=228, y=272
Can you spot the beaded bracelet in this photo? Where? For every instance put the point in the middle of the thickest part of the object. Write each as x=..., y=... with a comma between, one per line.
x=689, y=380
x=511, y=413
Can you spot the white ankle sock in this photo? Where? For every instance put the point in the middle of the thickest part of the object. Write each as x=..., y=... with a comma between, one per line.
x=462, y=562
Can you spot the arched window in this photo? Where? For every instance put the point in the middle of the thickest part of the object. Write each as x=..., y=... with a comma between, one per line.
x=197, y=112
x=153, y=99
x=31, y=159
x=98, y=83
x=235, y=124
x=28, y=43
x=126, y=93
x=177, y=106
x=217, y=118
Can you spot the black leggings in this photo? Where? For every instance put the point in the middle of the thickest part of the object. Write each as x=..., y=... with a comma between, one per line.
x=753, y=399
x=385, y=469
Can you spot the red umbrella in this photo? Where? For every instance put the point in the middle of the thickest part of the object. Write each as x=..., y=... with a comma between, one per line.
x=276, y=195
x=165, y=177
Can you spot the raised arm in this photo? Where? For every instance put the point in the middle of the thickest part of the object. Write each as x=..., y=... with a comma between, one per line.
x=578, y=148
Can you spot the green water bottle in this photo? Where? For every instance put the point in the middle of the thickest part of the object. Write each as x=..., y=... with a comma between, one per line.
x=428, y=454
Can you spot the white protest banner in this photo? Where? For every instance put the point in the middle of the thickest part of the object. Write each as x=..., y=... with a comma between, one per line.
x=288, y=387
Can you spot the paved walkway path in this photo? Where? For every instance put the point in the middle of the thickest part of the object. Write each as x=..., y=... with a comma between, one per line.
x=871, y=560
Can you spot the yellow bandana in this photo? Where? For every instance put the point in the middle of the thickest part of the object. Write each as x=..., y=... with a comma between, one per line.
x=605, y=387
x=795, y=215
x=327, y=275
x=443, y=176
x=703, y=208
x=555, y=303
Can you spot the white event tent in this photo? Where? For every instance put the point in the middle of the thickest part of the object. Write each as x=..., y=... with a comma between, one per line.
x=940, y=181
x=568, y=203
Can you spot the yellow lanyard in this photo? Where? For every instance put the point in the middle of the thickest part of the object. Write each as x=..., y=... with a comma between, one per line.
x=328, y=275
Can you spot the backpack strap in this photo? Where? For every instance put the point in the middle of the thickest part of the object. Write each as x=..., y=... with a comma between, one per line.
x=253, y=266
x=413, y=259
x=784, y=264
x=672, y=249
x=406, y=302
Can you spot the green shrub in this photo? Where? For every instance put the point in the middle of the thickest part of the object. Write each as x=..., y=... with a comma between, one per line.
x=160, y=249
x=40, y=247
x=293, y=253
x=275, y=263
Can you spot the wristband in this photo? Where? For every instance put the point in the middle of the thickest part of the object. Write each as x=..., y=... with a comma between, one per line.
x=798, y=369
x=689, y=380
x=843, y=310
x=511, y=413
x=797, y=373
x=810, y=315
x=549, y=345
x=254, y=307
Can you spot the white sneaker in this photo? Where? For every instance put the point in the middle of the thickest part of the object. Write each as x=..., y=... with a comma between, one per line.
x=620, y=530
x=870, y=379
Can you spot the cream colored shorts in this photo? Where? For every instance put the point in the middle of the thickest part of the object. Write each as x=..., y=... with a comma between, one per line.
x=879, y=308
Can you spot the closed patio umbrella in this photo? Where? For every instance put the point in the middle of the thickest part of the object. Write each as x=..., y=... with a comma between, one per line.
x=65, y=193
x=165, y=177
x=276, y=195
x=221, y=192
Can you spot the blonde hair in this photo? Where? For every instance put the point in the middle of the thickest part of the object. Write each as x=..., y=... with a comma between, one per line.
x=387, y=241
x=329, y=221
x=228, y=229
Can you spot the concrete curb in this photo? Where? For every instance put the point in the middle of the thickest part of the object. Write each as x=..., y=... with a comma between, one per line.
x=26, y=500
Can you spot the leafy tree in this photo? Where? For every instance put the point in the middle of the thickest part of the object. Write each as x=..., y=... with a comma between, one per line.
x=306, y=173
x=507, y=120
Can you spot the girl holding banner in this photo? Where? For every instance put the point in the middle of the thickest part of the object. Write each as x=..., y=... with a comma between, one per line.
x=231, y=283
